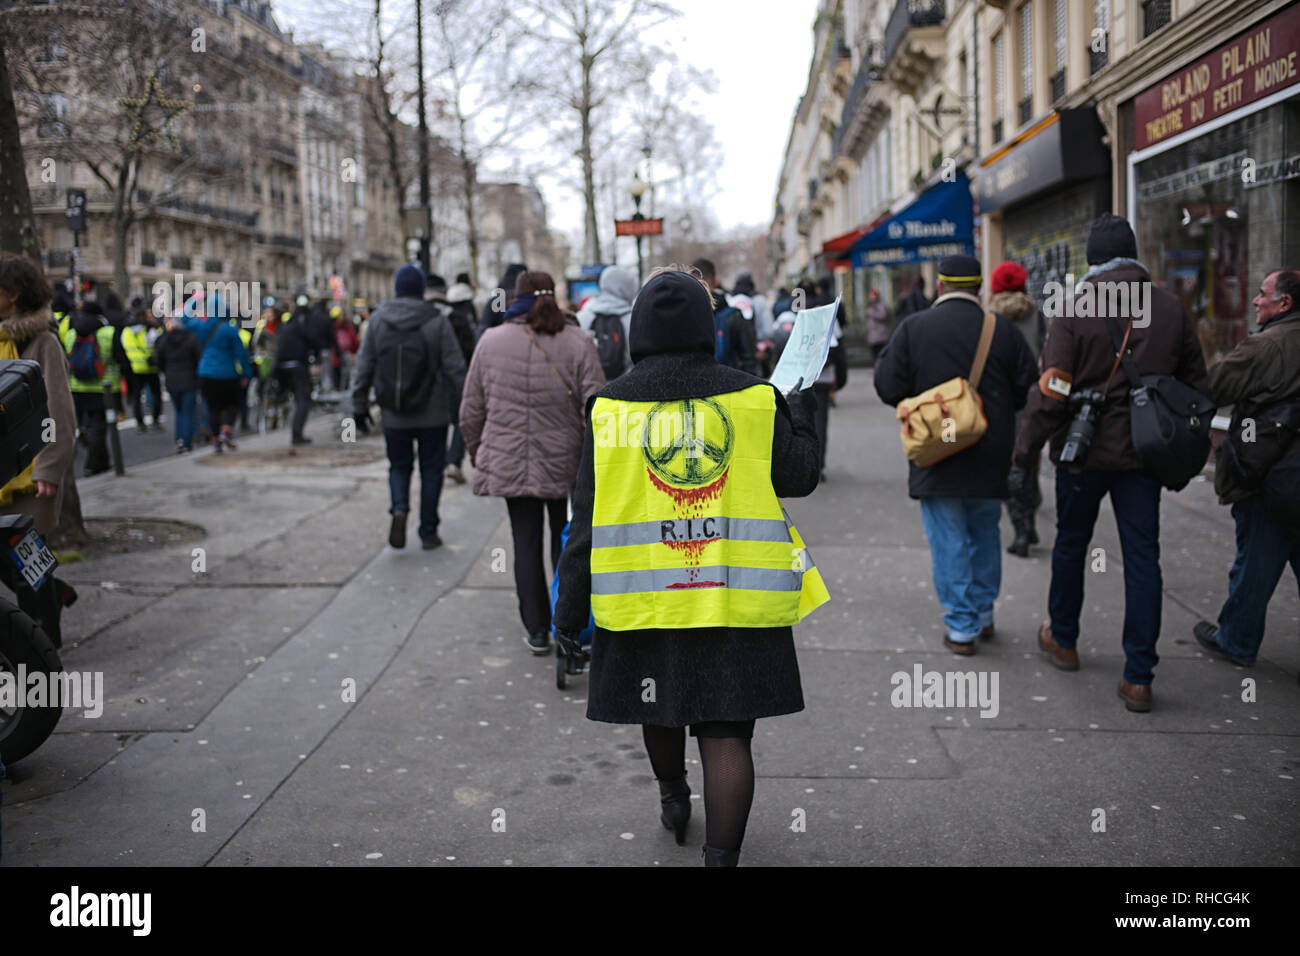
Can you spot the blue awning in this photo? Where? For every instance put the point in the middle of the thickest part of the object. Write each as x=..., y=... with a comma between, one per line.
x=940, y=222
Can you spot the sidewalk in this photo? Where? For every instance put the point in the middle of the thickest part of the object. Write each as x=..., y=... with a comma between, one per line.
x=225, y=694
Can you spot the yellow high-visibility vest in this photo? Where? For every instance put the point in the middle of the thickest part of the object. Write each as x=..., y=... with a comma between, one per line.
x=22, y=483
x=686, y=528
x=139, y=352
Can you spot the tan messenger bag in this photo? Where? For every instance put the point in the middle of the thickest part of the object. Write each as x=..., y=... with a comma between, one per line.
x=948, y=418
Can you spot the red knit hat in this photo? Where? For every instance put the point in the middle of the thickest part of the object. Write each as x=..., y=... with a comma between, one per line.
x=1009, y=277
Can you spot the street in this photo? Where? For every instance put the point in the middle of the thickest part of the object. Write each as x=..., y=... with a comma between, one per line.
x=315, y=697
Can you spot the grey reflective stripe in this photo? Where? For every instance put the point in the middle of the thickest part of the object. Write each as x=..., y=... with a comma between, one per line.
x=699, y=529
x=661, y=579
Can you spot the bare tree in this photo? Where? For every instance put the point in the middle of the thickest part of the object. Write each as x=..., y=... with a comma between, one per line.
x=476, y=63
x=17, y=225
x=584, y=68
x=111, y=52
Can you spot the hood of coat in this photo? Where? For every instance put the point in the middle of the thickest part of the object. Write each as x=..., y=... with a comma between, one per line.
x=1015, y=306
x=24, y=326
x=672, y=314
x=403, y=313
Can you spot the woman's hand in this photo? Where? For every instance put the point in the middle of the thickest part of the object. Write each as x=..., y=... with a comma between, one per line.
x=46, y=490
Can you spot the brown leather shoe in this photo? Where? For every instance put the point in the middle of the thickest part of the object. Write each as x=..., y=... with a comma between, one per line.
x=988, y=633
x=1066, y=658
x=960, y=648
x=1136, y=697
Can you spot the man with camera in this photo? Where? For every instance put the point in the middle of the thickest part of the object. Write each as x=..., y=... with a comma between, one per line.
x=1081, y=405
x=1260, y=378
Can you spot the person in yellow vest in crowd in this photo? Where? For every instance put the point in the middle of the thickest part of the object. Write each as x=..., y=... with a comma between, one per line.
x=250, y=373
x=95, y=361
x=680, y=548
x=27, y=331
x=138, y=340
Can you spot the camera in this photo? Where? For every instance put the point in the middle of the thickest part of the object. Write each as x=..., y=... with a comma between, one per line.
x=1086, y=406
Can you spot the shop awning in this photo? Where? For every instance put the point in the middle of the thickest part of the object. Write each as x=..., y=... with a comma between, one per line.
x=940, y=222
x=837, y=251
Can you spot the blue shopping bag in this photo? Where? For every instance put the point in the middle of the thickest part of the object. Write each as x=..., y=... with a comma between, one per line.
x=585, y=635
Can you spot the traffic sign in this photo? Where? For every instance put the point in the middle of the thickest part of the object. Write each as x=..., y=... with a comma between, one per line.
x=638, y=227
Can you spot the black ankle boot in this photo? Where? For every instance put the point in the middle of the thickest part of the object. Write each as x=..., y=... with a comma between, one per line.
x=1020, y=546
x=716, y=857
x=675, y=796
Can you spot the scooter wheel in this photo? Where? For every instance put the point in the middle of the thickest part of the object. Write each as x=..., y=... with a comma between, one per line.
x=23, y=642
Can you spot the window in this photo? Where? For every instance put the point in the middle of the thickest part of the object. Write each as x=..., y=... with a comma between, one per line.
x=999, y=84
x=1099, y=42
x=1026, y=15
x=1155, y=14
x=1059, y=32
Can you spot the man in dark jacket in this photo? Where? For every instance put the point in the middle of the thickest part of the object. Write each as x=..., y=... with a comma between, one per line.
x=460, y=301
x=494, y=311
x=177, y=355
x=741, y=347
x=1261, y=372
x=914, y=301
x=297, y=345
x=1079, y=356
x=445, y=362
x=961, y=496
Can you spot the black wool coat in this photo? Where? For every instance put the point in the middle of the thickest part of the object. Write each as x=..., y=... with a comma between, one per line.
x=936, y=344
x=700, y=674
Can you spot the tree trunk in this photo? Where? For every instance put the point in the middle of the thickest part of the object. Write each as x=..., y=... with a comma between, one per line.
x=17, y=225
x=592, y=229
x=471, y=221
x=121, y=230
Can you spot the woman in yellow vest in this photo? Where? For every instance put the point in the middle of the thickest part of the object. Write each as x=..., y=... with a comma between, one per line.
x=28, y=331
x=682, y=552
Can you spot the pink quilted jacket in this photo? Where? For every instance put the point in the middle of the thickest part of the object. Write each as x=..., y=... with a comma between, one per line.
x=522, y=430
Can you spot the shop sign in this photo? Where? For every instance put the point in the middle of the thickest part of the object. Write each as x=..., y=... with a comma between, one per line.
x=1274, y=172
x=1064, y=148
x=1223, y=168
x=1261, y=61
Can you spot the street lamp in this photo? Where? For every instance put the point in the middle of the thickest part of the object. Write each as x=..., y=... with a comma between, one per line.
x=637, y=189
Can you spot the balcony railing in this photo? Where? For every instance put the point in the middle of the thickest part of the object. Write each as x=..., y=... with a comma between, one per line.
x=1058, y=84
x=908, y=14
x=148, y=258
x=180, y=262
x=856, y=91
x=1155, y=14
x=211, y=265
x=1097, y=59
x=223, y=213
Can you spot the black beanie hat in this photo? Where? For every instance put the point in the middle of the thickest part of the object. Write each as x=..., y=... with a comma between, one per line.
x=672, y=313
x=1110, y=238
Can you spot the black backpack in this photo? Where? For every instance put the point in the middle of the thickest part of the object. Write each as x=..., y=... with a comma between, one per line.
x=1252, y=454
x=608, y=332
x=1282, y=494
x=403, y=376
x=1169, y=421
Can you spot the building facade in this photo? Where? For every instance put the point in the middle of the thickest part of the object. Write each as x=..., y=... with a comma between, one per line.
x=1180, y=114
x=276, y=173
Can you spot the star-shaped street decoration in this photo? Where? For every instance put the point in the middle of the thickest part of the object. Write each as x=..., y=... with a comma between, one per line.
x=138, y=108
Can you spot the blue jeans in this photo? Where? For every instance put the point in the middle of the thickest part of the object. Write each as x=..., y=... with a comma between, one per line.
x=966, y=560
x=456, y=453
x=1263, y=552
x=401, y=460
x=183, y=409
x=1135, y=498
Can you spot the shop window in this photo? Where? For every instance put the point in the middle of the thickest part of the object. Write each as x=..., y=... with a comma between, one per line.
x=1208, y=236
x=1155, y=14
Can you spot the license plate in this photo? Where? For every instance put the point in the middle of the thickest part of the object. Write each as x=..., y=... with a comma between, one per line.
x=33, y=558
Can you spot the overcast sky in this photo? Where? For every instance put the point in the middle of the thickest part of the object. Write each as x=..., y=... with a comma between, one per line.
x=759, y=52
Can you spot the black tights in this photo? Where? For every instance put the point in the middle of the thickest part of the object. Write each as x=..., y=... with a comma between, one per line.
x=728, y=779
